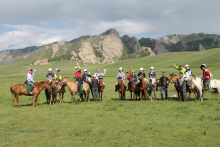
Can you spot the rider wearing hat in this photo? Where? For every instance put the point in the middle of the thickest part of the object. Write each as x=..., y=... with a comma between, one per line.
x=30, y=80
x=142, y=72
x=186, y=74
x=85, y=75
x=58, y=76
x=50, y=77
x=121, y=75
x=180, y=68
x=206, y=76
x=77, y=76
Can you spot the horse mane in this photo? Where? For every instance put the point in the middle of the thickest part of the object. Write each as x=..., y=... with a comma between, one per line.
x=193, y=76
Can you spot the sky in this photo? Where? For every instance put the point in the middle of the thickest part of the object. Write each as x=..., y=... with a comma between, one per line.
x=26, y=23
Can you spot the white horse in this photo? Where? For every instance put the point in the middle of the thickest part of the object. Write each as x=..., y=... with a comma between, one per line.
x=214, y=84
x=153, y=87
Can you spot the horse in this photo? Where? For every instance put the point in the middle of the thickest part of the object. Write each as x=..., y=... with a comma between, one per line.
x=174, y=79
x=53, y=91
x=61, y=90
x=100, y=88
x=20, y=89
x=143, y=87
x=214, y=84
x=152, y=87
x=133, y=88
x=72, y=85
x=121, y=89
x=86, y=90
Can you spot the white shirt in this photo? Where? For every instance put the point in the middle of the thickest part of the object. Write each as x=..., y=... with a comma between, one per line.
x=187, y=73
x=98, y=75
x=30, y=77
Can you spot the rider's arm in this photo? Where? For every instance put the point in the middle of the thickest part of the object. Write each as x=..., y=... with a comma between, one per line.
x=130, y=69
x=78, y=66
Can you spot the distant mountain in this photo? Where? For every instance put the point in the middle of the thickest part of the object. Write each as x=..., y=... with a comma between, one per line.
x=108, y=46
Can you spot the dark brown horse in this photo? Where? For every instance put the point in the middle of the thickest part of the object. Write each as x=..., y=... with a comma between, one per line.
x=133, y=88
x=143, y=87
x=20, y=89
x=53, y=91
x=100, y=88
x=121, y=89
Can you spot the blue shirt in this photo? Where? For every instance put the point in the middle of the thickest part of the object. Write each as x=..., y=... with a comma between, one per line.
x=52, y=75
x=152, y=74
x=134, y=78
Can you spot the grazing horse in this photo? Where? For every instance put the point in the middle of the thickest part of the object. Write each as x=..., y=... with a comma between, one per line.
x=174, y=79
x=152, y=87
x=20, y=89
x=133, y=88
x=72, y=85
x=121, y=89
x=143, y=87
x=100, y=88
x=214, y=84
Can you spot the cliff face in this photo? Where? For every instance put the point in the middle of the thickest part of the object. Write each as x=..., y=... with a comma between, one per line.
x=131, y=42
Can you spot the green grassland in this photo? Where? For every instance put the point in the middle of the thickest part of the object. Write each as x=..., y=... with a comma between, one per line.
x=111, y=122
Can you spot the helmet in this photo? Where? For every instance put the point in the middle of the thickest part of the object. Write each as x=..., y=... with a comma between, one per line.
x=57, y=69
x=203, y=65
x=29, y=69
x=186, y=65
x=120, y=68
x=50, y=69
x=151, y=67
x=94, y=75
x=133, y=71
x=85, y=70
x=141, y=68
x=76, y=67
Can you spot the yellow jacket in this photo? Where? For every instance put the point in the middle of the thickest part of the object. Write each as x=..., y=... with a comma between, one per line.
x=58, y=78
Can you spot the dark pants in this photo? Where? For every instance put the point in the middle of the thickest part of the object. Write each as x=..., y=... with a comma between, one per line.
x=95, y=93
x=183, y=93
x=205, y=83
x=79, y=84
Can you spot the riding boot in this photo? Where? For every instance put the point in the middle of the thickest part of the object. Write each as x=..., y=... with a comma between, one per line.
x=125, y=88
x=30, y=90
x=162, y=97
x=206, y=87
x=116, y=87
x=166, y=96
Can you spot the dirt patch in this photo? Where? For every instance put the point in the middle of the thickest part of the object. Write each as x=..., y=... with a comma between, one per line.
x=120, y=105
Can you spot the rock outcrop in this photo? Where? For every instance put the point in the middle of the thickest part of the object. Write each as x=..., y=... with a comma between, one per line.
x=86, y=53
x=5, y=55
x=41, y=62
x=148, y=49
x=160, y=49
x=131, y=42
x=201, y=48
x=74, y=56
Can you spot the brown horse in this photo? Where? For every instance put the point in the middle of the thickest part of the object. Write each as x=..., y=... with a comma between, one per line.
x=20, y=89
x=133, y=88
x=61, y=91
x=100, y=88
x=121, y=89
x=143, y=87
x=174, y=79
x=53, y=91
x=72, y=85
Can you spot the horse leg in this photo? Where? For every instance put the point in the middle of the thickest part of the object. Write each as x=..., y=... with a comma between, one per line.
x=101, y=95
x=50, y=100
x=36, y=101
x=18, y=101
x=54, y=96
x=189, y=93
x=62, y=97
x=155, y=95
x=202, y=95
x=131, y=94
x=145, y=95
x=13, y=101
x=141, y=95
x=72, y=97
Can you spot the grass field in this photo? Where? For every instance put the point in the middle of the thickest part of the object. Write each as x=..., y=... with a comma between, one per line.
x=111, y=122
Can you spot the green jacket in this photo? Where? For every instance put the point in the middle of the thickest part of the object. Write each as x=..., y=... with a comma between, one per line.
x=181, y=70
x=58, y=78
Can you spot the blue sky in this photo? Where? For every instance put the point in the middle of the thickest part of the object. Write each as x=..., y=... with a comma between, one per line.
x=27, y=23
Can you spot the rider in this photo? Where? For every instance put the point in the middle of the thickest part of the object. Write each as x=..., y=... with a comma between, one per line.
x=50, y=77
x=57, y=76
x=186, y=74
x=134, y=77
x=77, y=76
x=206, y=76
x=142, y=72
x=85, y=75
x=180, y=68
x=94, y=88
x=30, y=80
x=164, y=85
x=122, y=75
x=98, y=74
x=128, y=74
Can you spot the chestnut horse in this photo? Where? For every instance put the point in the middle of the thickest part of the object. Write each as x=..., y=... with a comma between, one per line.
x=121, y=89
x=20, y=89
x=53, y=91
x=143, y=87
x=133, y=88
x=72, y=85
x=174, y=79
x=100, y=87
x=61, y=90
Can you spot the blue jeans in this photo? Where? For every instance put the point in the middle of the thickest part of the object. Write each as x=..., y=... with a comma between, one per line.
x=31, y=83
x=162, y=89
x=95, y=93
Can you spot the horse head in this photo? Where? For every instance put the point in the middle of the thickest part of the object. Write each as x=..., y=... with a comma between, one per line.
x=100, y=81
x=140, y=77
x=119, y=81
x=53, y=83
x=131, y=78
x=173, y=78
x=88, y=79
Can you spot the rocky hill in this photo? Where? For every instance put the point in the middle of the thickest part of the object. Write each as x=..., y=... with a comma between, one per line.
x=108, y=46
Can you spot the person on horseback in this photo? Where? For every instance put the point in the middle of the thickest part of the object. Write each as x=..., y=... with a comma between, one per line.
x=134, y=77
x=180, y=68
x=30, y=80
x=85, y=75
x=50, y=77
x=186, y=75
x=58, y=76
x=95, y=88
x=164, y=85
x=182, y=87
x=129, y=74
x=206, y=76
x=152, y=73
x=142, y=72
x=98, y=74
x=121, y=75
x=77, y=76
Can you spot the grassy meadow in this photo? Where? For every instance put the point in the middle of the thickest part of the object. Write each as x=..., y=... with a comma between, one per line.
x=111, y=122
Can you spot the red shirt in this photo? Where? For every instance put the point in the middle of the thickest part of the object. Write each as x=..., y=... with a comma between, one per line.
x=78, y=74
x=206, y=74
x=128, y=76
